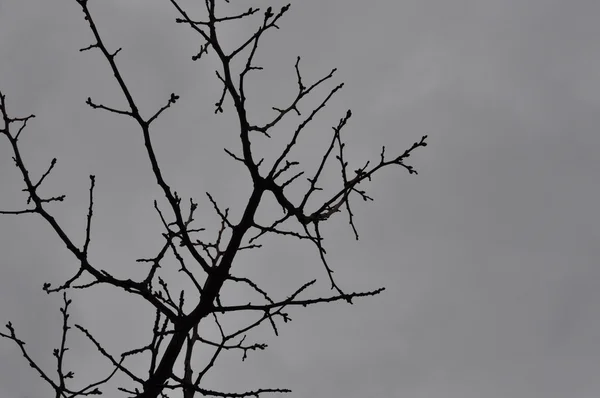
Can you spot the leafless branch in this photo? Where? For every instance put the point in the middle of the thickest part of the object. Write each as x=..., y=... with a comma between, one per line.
x=176, y=329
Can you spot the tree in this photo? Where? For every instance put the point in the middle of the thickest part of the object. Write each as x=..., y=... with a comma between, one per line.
x=208, y=264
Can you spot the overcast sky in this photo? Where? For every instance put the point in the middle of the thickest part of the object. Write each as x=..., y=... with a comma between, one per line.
x=489, y=255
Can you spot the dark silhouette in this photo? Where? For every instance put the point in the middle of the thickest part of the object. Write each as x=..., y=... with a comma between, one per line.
x=176, y=331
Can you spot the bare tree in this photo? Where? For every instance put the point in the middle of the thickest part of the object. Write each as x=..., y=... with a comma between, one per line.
x=176, y=333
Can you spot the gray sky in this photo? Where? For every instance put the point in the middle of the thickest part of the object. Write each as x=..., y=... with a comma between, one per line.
x=487, y=255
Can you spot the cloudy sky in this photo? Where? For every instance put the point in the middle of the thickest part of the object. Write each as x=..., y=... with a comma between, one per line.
x=487, y=255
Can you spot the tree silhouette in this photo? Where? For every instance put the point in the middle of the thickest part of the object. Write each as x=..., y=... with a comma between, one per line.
x=176, y=333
